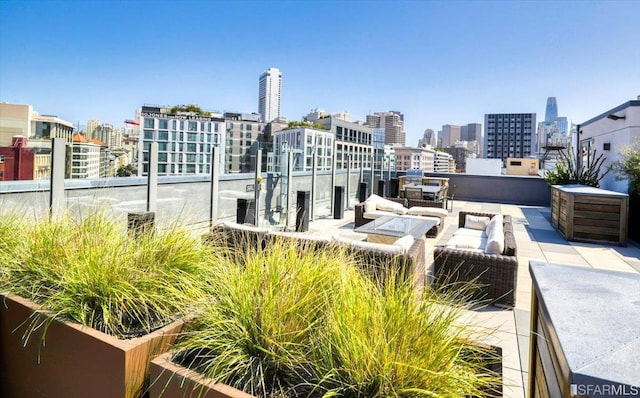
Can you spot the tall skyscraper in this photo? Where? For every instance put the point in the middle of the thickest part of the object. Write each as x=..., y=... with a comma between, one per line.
x=450, y=133
x=553, y=135
x=269, y=94
x=393, y=124
x=509, y=135
x=551, y=112
x=428, y=138
x=92, y=125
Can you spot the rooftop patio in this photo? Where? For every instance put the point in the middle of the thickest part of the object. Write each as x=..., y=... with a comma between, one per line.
x=536, y=240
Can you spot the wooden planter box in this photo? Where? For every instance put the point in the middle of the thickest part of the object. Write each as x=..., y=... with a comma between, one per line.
x=587, y=214
x=169, y=380
x=72, y=360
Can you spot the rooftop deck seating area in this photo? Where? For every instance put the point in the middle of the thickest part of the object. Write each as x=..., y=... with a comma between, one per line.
x=374, y=258
x=467, y=257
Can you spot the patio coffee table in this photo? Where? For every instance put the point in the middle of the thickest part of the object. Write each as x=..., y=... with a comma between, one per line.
x=388, y=229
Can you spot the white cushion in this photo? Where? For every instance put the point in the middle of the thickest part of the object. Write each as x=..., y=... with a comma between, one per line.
x=427, y=211
x=495, y=240
x=476, y=222
x=369, y=205
x=387, y=205
x=372, y=215
x=405, y=242
x=470, y=232
x=497, y=219
x=380, y=247
x=436, y=219
x=466, y=242
x=401, y=210
x=243, y=227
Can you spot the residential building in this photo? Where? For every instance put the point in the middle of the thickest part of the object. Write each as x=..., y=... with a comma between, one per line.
x=393, y=124
x=184, y=138
x=607, y=133
x=92, y=125
x=22, y=120
x=243, y=137
x=352, y=140
x=443, y=163
x=459, y=153
x=509, y=135
x=270, y=86
x=86, y=157
x=412, y=158
x=378, y=148
x=303, y=142
x=20, y=162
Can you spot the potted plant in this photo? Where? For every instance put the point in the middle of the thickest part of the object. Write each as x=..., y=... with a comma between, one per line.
x=294, y=321
x=628, y=168
x=569, y=172
x=85, y=306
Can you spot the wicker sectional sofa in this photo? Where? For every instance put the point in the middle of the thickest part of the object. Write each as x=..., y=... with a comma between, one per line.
x=494, y=276
x=403, y=207
x=374, y=258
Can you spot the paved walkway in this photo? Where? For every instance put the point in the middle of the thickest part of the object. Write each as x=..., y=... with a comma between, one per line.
x=536, y=240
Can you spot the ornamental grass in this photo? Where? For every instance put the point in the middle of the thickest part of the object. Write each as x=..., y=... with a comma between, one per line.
x=96, y=274
x=292, y=320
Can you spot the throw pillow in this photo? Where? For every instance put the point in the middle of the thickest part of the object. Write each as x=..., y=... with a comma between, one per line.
x=476, y=222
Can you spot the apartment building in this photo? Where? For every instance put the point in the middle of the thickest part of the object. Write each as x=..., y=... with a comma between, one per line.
x=185, y=138
x=393, y=124
x=303, y=142
x=411, y=158
x=352, y=140
x=244, y=135
x=269, y=88
x=86, y=157
x=509, y=135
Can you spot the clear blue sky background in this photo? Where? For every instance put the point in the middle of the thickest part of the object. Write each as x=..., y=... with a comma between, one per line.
x=437, y=62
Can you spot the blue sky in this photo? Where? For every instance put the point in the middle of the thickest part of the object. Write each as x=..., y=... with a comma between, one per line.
x=438, y=62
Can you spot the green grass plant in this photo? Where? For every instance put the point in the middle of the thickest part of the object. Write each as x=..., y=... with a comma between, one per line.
x=301, y=321
x=94, y=273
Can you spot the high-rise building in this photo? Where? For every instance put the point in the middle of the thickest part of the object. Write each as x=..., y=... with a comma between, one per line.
x=471, y=132
x=551, y=113
x=393, y=124
x=509, y=135
x=554, y=134
x=92, y=125
x=449, y=134
x=428, y=138
x=269, y=94
x=184, y=139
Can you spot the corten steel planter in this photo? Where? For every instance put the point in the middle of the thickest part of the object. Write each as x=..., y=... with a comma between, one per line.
x=72, y=360
x=170, y=380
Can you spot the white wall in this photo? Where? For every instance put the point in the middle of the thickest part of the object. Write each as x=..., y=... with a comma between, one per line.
x=491, y=167
x=618, y=133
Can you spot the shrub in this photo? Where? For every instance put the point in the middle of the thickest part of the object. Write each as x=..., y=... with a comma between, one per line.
x=628, y=167
x=93, y=273
x=568, y=172
x=299, y=321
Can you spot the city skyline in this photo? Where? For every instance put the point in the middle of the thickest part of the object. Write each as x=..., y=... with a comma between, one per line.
x=454, y=62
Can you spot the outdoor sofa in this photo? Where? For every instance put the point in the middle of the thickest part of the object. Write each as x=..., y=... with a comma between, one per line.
x=476, y=254
x=407, y=253
x=376, y=206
